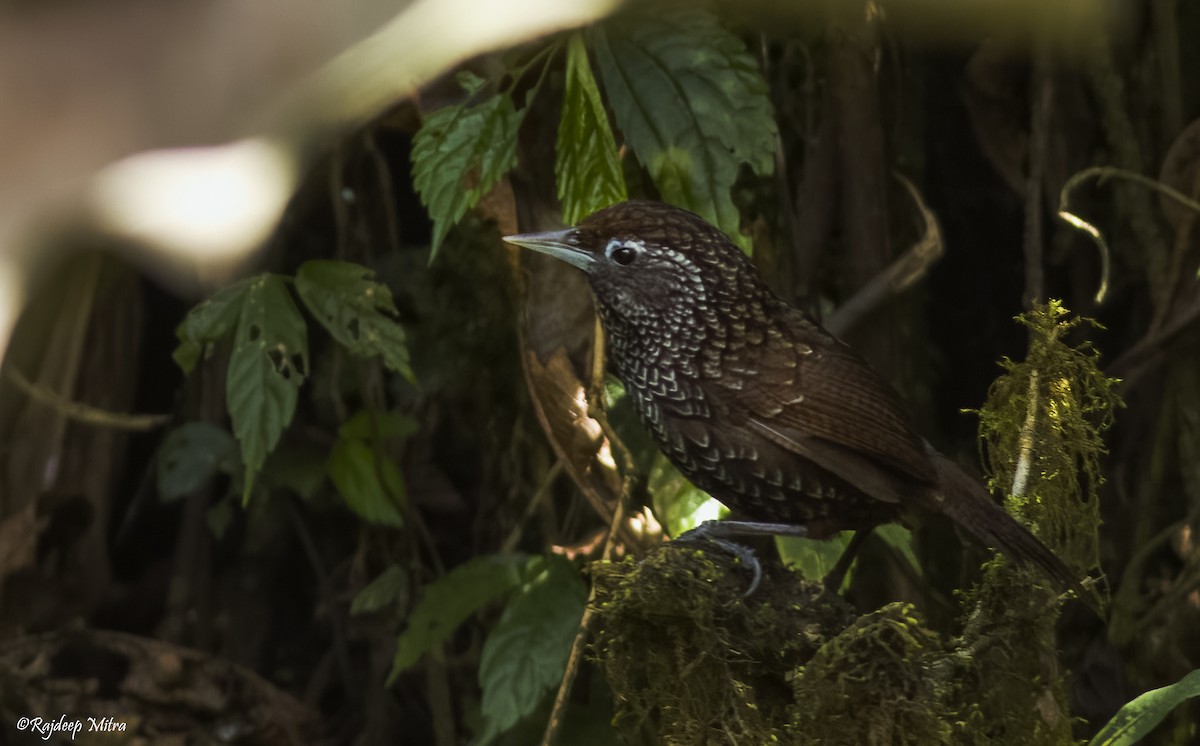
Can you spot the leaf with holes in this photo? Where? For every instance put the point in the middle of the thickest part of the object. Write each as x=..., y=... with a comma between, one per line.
x=267, y=366
x=449, y=600
x=459, y=154
x=691, y=103
x=208, y=322
x=526, y=653
x=191, y=455
x=357, y=311
x=587, y=168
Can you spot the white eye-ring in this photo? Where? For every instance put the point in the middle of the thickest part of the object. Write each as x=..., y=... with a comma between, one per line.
x=623, y=252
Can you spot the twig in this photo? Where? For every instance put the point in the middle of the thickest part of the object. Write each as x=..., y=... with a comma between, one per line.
x=543, y=489
x=80, y=412
x=1025, y=439
x=1101, y=173
x=581, y=636
x=901, y=274
x=1039, y=126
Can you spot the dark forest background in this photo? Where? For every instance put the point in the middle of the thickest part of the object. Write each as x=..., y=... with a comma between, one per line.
x=387, y=527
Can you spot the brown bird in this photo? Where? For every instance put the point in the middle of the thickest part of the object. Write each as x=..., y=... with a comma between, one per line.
x=753, y=401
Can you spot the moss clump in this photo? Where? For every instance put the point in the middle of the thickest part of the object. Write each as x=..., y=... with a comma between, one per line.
x=877, y=682
x=691, y=661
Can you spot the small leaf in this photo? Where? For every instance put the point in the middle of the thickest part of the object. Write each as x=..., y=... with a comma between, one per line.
x=357, y=311
x=526, y=653
x=449, y=600
x=814, y=558
x=678, y=505
x=208, y=322
x=268, y=364
x=692, y=105
x=389, y=589
x=190, y=456
x=219, y=517
x=367, y=424
x=298, y=466
x=1137, y=718
x=587, y=168
x=371, y=486
x=459, y=154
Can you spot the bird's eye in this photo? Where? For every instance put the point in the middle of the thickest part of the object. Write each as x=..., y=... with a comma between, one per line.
x=622, y=253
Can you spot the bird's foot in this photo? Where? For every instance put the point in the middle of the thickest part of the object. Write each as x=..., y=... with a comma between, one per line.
x=719, y=533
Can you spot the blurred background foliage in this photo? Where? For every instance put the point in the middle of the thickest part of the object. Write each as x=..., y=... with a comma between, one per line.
x=379, y=482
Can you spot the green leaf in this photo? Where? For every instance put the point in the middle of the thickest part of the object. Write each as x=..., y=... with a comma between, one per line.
x=587, y=169
x=372, y=487
x=389, y=589
x=814, y=558
x=298, y=466
x=692, y=105
x=1136, y=719
x=219, y=517
x=357, y=311
x=449, y=600
x=459, y=154
x=267, y=367
x=526, y=653
x=678, y=505
x=900, y=539
x=208, y=322
x=368, y=424
x=190, y=456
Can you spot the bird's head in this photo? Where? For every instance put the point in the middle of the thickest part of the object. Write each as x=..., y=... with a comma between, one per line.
x=647, y=261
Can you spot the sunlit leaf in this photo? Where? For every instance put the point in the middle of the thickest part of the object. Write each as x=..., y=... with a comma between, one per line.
x=190, y=456
x=814, y=558
x=267, y=367
x=1137, y=718
x=448, y=601
x=459, y=154
x=389, y=589
x=691, y=103
x=356, y=310
x=208, y=322
x=900, y=539
x=526, y=653
x=677, y=504
x=588, y=170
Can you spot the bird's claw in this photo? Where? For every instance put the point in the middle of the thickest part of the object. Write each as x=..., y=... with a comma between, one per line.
x=740, y=552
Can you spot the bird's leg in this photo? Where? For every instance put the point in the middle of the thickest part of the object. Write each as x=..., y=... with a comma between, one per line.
x=833, y=580
x=719, y=534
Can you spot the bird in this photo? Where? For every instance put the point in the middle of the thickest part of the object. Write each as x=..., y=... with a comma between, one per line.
x=754, y=401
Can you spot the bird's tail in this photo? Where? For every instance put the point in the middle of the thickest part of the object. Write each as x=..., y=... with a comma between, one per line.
x=965, y=501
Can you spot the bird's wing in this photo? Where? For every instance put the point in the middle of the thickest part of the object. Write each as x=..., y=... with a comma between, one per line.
x=818, y=399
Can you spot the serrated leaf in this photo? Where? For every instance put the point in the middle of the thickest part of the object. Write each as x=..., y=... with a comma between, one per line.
x=190, y=456
x=1137, y=718
x=459, y=154
x=449, y=600
x=677, y=504
x=526, y=653
x=587, y=169
x=267, y=367
x=814, y=558
x=691, y=104
x=357, y=311
x=372, y=487
x=389, y=589
x=208, y=322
